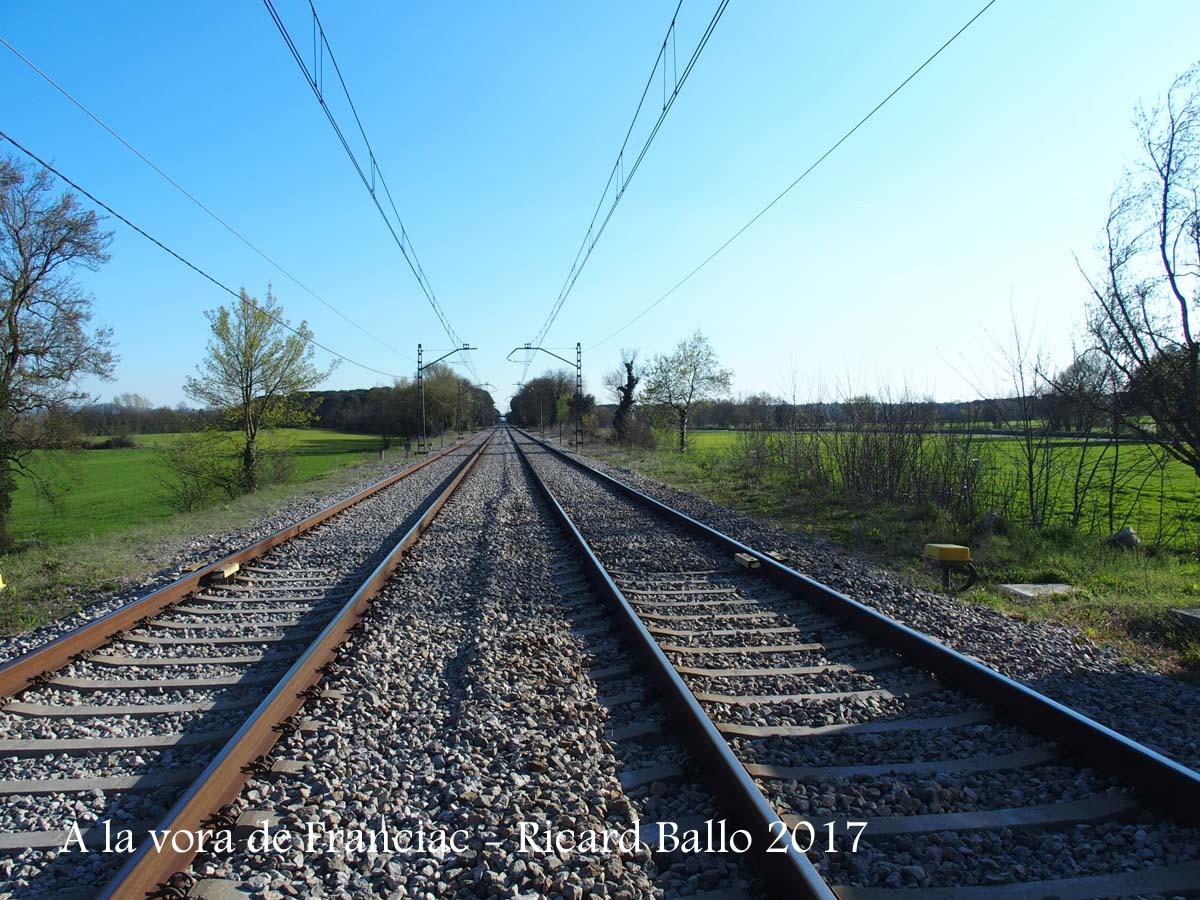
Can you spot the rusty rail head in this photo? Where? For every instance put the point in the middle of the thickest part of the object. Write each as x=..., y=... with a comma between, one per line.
x=148, y=870
x=21, y=673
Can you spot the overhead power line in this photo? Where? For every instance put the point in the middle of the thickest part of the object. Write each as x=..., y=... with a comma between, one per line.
x=368, y=170
x=191, y=265
x=625, y=167
x=737, y=234
x=181, y=189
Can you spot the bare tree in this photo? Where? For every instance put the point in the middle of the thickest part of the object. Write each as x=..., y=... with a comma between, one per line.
x=45, y=339
x=677, y=380
x=128, y=400
x=1143, y=299
x=1082, y=400
x=623, y=383
x=255, y=369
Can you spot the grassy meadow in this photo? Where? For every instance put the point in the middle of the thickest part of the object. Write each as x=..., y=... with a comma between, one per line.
x=1123, y=598
x=100, y=491
x=1161, y=503
x=112, y=519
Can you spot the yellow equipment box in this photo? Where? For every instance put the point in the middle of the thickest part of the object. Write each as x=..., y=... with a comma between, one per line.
x=947, y=553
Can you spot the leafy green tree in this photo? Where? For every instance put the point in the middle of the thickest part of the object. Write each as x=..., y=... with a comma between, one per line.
x=689, y=375
x=46, y=342
x=257, y=367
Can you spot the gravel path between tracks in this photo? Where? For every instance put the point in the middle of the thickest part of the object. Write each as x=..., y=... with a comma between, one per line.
x=1061, y=662
x=467, y=707
x=179, y=557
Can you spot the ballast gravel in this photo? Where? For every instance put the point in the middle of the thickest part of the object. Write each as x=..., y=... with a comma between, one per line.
x=1059, y=661
x=467, y=707
x=632, y=539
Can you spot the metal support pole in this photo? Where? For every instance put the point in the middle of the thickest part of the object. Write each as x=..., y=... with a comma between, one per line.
x=421, y=391
x=421, y=367
x=529, y=348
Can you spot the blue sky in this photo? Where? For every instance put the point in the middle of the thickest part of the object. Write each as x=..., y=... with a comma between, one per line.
x=954, y=211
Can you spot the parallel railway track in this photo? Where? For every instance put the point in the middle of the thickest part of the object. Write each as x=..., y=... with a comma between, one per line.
x=800, y=706
x=168, y=703
x=807, y=707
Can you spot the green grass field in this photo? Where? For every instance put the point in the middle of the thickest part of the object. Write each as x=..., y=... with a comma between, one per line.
x=1161, y=504
x=113, y=521
x=102, y=491
x=1123, y=598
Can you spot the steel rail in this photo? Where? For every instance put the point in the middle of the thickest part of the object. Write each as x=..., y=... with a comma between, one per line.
x=23, y=672
x=792, y=874
x=1174, y=787
x=150, y=872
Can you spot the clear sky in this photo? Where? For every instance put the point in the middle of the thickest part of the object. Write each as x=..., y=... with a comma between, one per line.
x=956, y=209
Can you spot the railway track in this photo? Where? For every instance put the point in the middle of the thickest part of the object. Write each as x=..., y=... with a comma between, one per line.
x=861, y=760
x=482, y=698
x=807, y=708
x=153, y=715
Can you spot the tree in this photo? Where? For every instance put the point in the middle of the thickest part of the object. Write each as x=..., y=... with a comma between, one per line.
x=256, y=367
x=1142, y=303
x=45, y=339
x=132, y=401
x=680, y=379
x=537, y=403
x=622, y=382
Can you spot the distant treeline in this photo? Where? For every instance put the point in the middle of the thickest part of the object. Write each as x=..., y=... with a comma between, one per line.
x=392, y=412
x=395, y=411
x=1062, y=415
x=550, y=400
x=131, y=414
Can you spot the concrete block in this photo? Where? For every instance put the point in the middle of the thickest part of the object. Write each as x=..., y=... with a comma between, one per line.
x=1033, y=591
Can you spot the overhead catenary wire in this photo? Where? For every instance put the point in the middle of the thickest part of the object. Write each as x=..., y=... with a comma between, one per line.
x=191, y=265
x=188, y=194
x=622, y=174
x=686, y=278
x=370, y=173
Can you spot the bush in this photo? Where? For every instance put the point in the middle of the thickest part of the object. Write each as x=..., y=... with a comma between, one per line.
x=206, y=466
x=116, y=442
x=199, y=469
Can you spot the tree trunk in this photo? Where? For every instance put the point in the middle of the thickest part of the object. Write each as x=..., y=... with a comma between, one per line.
x=8, y=485
x=249, y=465
x=683, y=420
